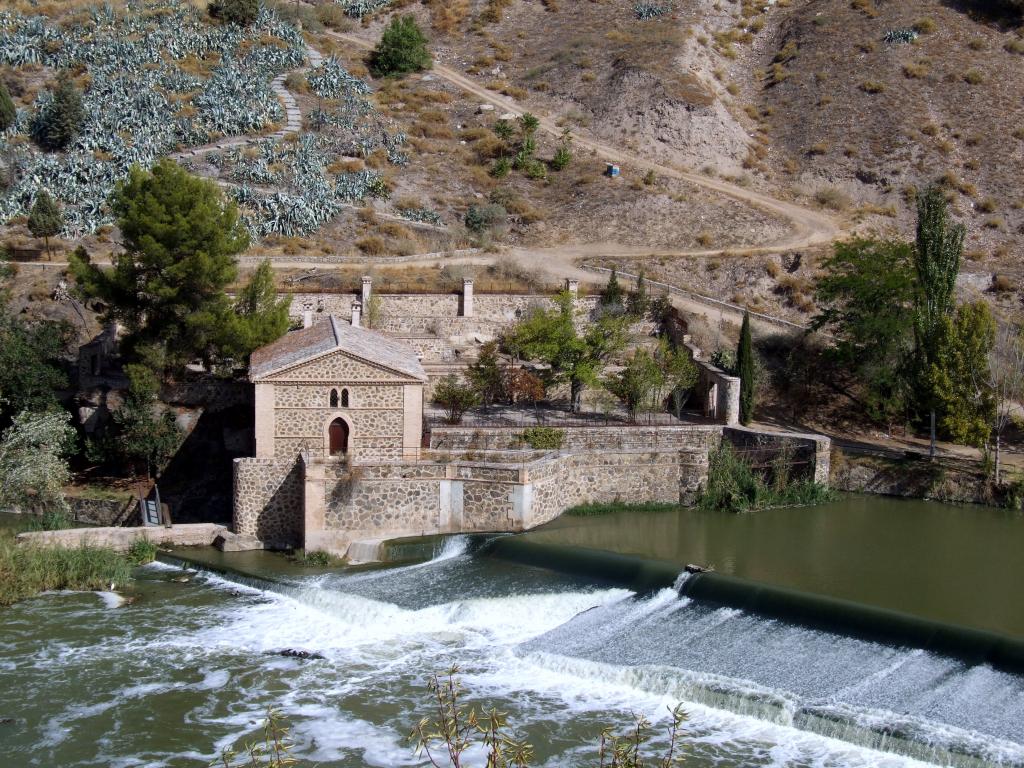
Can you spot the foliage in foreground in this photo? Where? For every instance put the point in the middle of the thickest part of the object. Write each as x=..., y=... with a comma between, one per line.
x=458, y=730
x=27, y=570
x=735, y=486
x=33, y=471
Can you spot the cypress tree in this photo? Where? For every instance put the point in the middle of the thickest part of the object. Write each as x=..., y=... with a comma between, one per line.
x=45, y=220
x=8, y=114
x=611, y=296
x=745, y=370
x=639, y=301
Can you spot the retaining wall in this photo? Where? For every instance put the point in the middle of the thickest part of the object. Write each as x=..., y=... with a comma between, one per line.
x=120, y=539
x=620, y=436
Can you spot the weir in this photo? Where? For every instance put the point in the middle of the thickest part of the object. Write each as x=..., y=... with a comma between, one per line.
x=825, y=668
x=814, y=611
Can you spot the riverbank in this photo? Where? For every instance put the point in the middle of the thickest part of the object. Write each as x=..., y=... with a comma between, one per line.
x=26, y=570
x=915, y=477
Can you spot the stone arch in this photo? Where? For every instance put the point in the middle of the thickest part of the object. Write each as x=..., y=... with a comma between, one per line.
x=341, y=422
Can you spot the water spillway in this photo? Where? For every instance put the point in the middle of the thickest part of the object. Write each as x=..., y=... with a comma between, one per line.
x=191, y=667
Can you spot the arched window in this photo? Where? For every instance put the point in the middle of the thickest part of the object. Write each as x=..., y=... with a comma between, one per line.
x=334, y=398
x=344, y=398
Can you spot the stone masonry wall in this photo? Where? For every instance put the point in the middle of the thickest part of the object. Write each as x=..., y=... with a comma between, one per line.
x=606, y=477
x=620, y=436
x=811, y=454
x=269, y=500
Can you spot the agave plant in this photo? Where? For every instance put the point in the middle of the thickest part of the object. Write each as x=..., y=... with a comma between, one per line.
x=357, y=9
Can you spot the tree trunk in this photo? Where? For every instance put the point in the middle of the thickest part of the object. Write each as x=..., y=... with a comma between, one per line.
x=931, y=449
x=998, y=441
x=49, y=256
x=575, y=395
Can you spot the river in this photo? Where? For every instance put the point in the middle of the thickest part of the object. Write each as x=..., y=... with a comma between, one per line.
x=192, y=666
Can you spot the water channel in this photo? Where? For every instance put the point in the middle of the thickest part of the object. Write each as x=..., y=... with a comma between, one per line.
x=192, y=666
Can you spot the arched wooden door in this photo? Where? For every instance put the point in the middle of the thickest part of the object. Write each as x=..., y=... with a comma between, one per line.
x=337, y=437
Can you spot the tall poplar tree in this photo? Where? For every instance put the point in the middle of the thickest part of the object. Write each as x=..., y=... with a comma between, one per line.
x=745, y=370
x=939, y=247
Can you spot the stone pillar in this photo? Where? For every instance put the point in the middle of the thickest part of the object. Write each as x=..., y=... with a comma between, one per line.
x=357, y=311
x=573, y=287
x=367, y=289
x=264, y=420
x=467, y=297
x=307, y=318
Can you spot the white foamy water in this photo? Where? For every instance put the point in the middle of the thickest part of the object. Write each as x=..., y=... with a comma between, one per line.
x=177, y=676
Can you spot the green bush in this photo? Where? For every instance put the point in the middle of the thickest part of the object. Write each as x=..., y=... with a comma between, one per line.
x=142, y=551
x=241, y=12
x=562, y=158
x=734, y=486
x=501, y=167
x=402, y=49
x=592, y=510
x=544, y=438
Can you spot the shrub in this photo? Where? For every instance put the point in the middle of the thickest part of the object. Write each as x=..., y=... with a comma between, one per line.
x=241, y=12
x=8, y=114
x=501, y=168
x=973, y=77
x=455, y=397
x=480, y=218
x=562, y=158
x=925, y=26
x=27, y=570
x=872, y=86
x=402, y=49
x=544, y=438
x=142, y=551
x=1002, y=284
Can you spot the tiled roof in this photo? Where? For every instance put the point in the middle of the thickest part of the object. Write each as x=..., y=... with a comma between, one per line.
x=329, y=335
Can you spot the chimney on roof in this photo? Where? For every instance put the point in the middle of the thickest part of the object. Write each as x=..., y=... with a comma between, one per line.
x=467, y=297
x=307, y=318
x=367, y=289
x=573, y=287
x=357, y=311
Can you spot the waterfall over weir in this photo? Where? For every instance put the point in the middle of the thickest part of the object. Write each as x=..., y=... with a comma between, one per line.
x=545, y=633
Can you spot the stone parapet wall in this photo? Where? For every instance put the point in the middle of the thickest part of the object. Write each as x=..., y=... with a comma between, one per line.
x=608, y=477
x=104, y=512
x=619, y=436
x=269, y=500
x=810, y=454
x=121, y=539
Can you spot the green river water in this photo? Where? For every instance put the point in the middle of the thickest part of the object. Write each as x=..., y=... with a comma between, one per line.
x=191, y=666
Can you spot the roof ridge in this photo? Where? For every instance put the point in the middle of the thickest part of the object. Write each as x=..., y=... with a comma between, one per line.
x=334, y=330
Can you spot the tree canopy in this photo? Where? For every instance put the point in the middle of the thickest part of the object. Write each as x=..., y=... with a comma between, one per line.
x=167, y=287
x=866, y=293
x=550, y=337
x=402, y=49
x=31, y=370
x=33, y=470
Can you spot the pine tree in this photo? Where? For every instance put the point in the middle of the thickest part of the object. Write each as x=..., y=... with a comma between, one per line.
x=937, y=262
x=402, y=49
x=61, y=120
x=45, y=219
x=167, y=288
x=745, y=370
x=8, y=114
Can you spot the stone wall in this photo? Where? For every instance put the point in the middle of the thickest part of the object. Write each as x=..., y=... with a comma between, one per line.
x=811, y=454
x=620, y=436
x=614, y=476
x=105, y=512
x=437, y=314
x=121, y=539
x=269, y=500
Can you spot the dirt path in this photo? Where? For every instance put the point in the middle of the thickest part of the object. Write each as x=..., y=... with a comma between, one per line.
x=810, y=227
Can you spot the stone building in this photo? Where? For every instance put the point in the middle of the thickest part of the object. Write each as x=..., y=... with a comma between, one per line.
x=342, y=457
